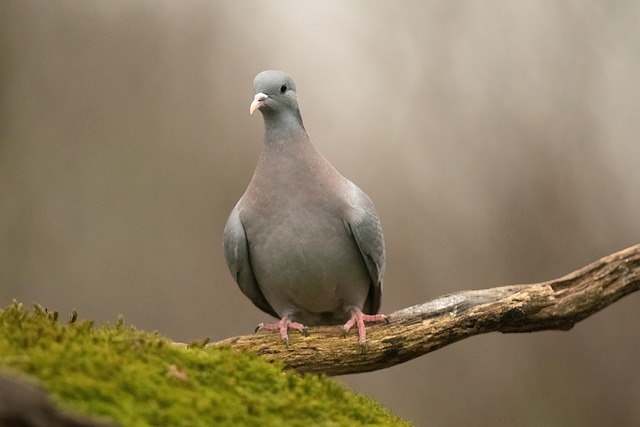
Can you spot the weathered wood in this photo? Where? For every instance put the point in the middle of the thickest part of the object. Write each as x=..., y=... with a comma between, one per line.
x=417, y=330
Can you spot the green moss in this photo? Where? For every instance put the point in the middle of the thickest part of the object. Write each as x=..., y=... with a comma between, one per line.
x=138, y=378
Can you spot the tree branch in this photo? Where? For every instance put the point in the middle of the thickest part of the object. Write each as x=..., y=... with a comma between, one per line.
x=417, y=330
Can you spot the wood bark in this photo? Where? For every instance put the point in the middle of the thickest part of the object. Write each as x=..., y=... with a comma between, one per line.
x=417, y=330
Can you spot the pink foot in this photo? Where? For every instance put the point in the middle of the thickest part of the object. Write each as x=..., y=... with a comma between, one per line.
x=358, y=318
x=283, y=326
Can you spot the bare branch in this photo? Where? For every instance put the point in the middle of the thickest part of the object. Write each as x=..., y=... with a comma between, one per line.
x=417, y=330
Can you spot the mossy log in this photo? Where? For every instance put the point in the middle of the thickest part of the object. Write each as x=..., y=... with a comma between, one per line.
x=414, y=331
x=56, y=373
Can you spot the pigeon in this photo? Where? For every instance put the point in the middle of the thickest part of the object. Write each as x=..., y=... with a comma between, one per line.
x=303, y=243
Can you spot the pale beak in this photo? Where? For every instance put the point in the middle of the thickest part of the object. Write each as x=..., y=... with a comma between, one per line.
x=258, y=102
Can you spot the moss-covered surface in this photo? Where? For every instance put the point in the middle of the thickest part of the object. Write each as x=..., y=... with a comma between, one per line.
x=138, y=378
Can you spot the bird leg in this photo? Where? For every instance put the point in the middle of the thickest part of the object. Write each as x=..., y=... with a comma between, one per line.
x=283, y=326
x=358, y=318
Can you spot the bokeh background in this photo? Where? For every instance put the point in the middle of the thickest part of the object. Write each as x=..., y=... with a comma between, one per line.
x=500, y=142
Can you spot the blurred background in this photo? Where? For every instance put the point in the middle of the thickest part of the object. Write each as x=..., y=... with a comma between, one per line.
x=500, y=142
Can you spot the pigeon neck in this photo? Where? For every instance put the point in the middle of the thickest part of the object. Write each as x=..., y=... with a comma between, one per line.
x=284, y=128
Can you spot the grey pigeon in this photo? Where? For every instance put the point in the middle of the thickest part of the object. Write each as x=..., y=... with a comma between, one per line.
x=304, y=243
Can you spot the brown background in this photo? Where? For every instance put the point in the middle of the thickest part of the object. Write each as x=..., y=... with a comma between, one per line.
x=500, y=142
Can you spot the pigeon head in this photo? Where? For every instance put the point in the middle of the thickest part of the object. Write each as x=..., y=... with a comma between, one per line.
x=276, y=97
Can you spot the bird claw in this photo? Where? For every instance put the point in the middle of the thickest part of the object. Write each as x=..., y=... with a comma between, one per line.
x=358, y=318
x=362, y=348
x=283, y=326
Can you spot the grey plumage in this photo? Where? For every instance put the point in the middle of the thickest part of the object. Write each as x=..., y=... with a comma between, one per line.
x=303, y=243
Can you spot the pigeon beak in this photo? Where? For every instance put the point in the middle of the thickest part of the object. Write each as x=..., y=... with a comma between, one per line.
x=258, y=102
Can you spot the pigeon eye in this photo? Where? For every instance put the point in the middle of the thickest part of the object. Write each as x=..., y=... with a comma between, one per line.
x=283, y=88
